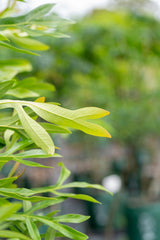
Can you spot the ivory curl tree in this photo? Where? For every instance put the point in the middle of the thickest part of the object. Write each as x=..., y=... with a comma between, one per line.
x=25, y=134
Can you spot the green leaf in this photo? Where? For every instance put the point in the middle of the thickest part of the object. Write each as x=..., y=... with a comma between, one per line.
x=83, y=185
x=65, y=230
x=71, y=218
x=28, y=43
x=5, y=86
x=36, y=153
x=10, y=68
x=29, y=163
x=32, y=229
x=32, y=83
x=54, y=129
x=45, y=203
x=69, y=118
x=35, y=131
x=7, y=45
x=3, y=38
x=8, y=209
x=12, y=234
x=76, y=196
x=20, y=92
x=50, y=234
x=65, y=173
x=5, y=182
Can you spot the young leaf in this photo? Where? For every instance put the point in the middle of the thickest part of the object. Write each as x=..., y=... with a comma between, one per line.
x=35, y=131
x=65, y=173
x=69, y=118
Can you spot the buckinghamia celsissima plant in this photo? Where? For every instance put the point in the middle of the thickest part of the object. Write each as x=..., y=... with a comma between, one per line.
x=25, y=134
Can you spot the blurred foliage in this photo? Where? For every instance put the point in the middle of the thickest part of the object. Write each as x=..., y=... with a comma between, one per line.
x=112, y=61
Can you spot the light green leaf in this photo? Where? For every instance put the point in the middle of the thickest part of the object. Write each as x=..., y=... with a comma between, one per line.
x=71, y=218
x=50, y=234
x=29, y=163
x=10, y=68
x=36, y=153
x=5, y=86
x=32, y=83
x=28, y=43
x=65, y=173
x=76, y=196
x=35, y=131
x=89, y=113
x=54, y=129
x=3, y=37
x=83, y=185
x=32, y=229
x=12, y=234
x=69, y=118
x=7, y=45
x=20, y=92
x=8, y=209
x=5, y=182
x=45, y=204
x=65, y=230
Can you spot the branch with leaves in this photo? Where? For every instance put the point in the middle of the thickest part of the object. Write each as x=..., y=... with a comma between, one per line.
x=26, y=133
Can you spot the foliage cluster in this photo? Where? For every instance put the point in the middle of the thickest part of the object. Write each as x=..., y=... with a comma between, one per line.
x=27, y=133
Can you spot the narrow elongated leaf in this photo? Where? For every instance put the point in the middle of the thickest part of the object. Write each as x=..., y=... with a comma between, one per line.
x=50, y=234
x=90, y=113
x=45, y=204
x=36, y=13
x=35, y=131
x=65, y=230
x=10, y=68
x=32, y=229
x=8, y=209
x=12, y=234
x=71, y=218
x=36, y=153
x=69, y=118
x=20, y=92
x=54, y=129
x=29, y=163
x=76, y=196
x=83, y=185
x=5, y=86
x=33, y=83
x=7, y=45
x=65, y=173
x=28, y=43
x=7, y=181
